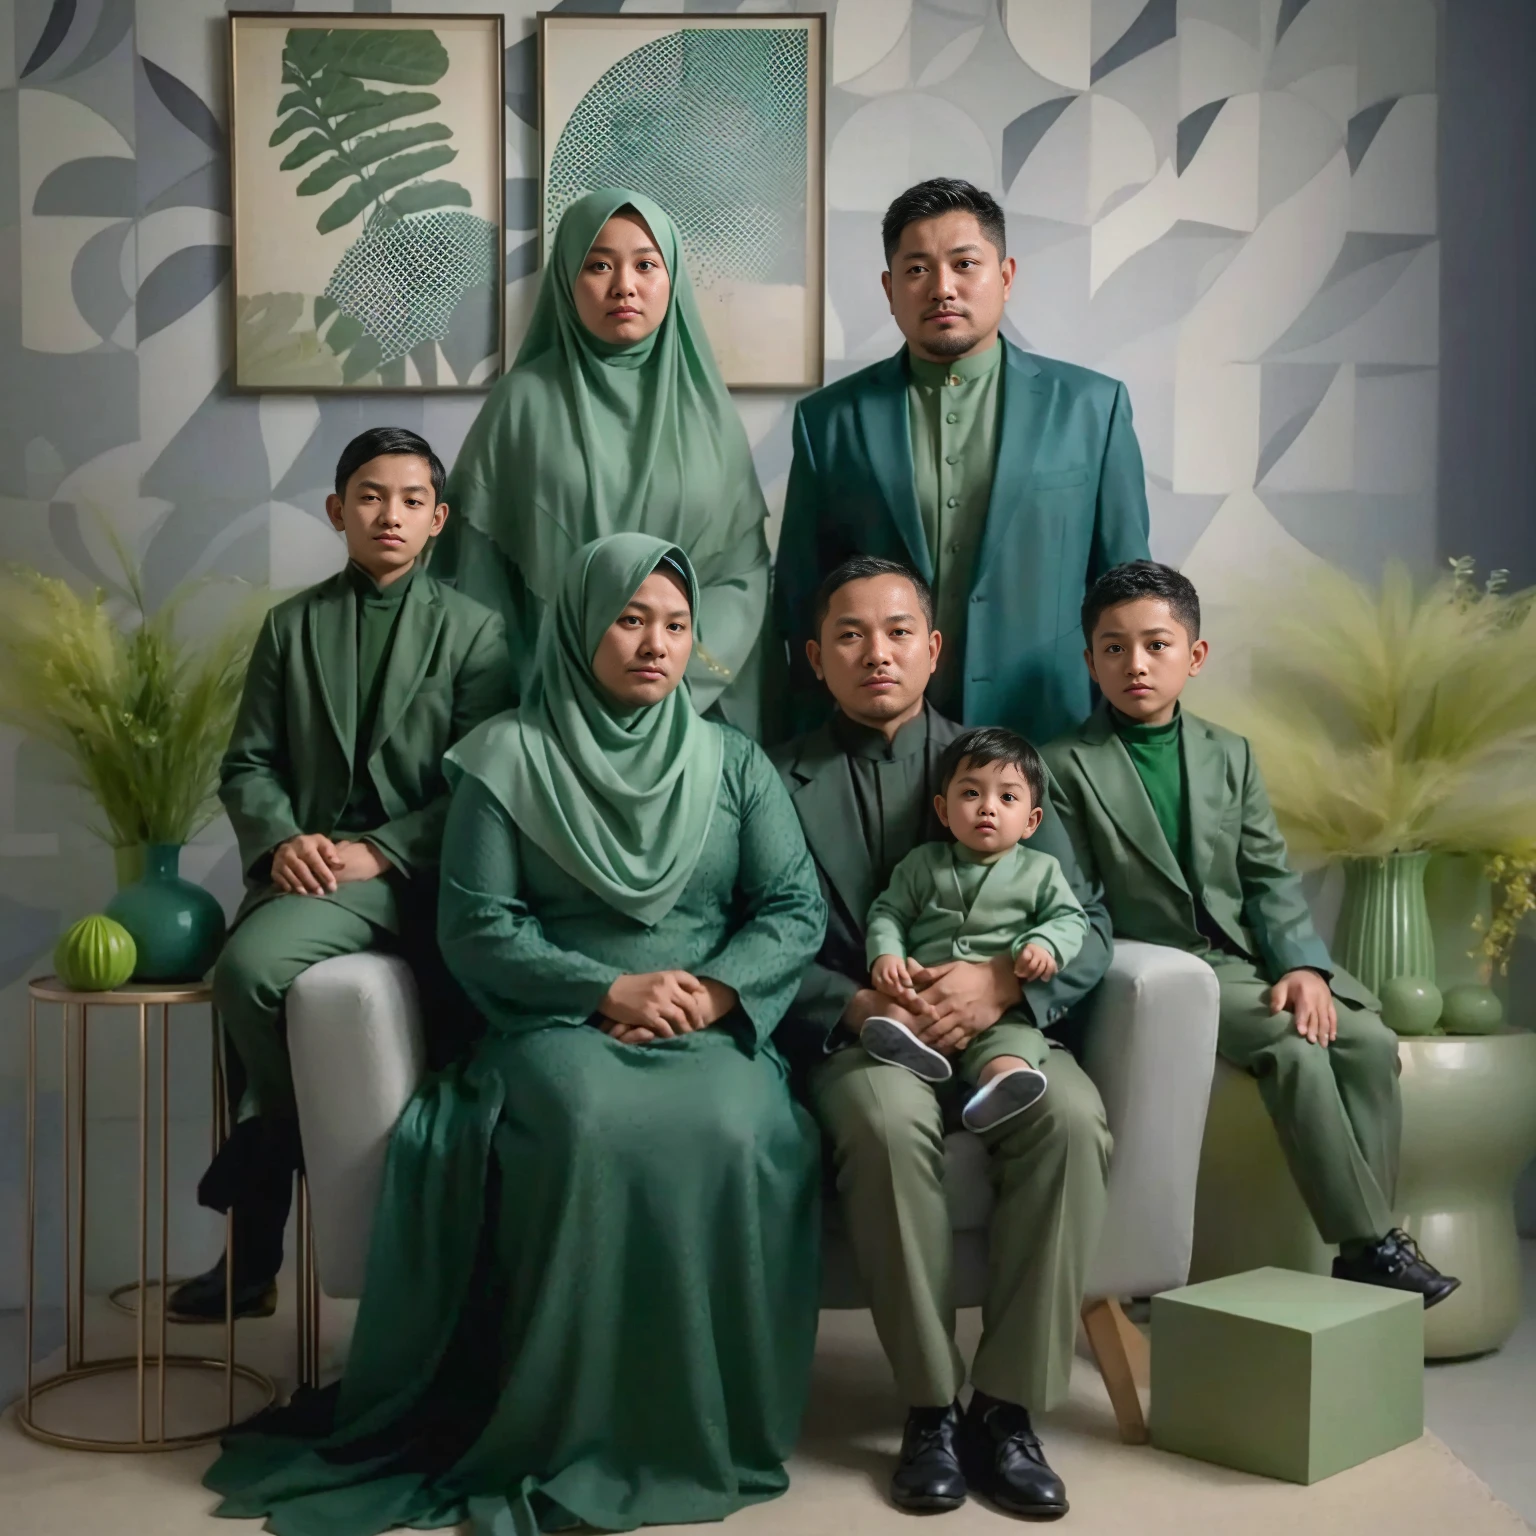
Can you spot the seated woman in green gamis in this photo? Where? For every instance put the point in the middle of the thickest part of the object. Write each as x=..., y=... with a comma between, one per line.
x=614, y=419
x=591, y=1297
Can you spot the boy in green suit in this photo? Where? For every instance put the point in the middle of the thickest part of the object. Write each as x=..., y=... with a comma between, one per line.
x=333, y=783
x=1171, y=813
x=982, y=895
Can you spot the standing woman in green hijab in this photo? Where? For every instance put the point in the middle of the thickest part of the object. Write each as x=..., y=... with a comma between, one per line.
x=614, y=419
x=591, y=1296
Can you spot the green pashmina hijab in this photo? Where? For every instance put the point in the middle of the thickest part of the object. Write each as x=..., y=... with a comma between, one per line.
x=635, y=435
x=620, y=800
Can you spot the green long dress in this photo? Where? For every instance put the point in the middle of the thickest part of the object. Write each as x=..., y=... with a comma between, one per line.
x=592, y=1291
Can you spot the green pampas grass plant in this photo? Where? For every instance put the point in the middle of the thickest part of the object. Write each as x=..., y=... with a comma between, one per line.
x=1392, y=720
x=142, y=710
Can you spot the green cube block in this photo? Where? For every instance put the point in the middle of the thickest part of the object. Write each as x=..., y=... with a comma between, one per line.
x=1285, y=1374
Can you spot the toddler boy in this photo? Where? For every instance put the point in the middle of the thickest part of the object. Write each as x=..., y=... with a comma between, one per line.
x=1172, y=812
x=983, y=895
x=333, y=783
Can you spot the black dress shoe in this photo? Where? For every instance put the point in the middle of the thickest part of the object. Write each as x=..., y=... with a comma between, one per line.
x=928, y=1478
x=1005, y=1462
x=1396, y=1263
x=201, y=1299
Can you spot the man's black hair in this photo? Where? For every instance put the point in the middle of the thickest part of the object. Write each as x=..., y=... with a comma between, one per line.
x=1137, y=579
x=943, y=194
x=376, y=442
x=861, y=568
x=992, y=744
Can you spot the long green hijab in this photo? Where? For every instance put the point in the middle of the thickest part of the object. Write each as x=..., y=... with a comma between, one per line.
x=620, y=800
x=583, y=438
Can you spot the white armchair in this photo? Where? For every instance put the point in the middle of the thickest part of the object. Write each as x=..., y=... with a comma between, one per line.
x=355, y=1036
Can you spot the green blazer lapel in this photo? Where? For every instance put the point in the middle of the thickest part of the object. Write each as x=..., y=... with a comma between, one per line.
x=829, y=816
x=330, y=630
x=1123, y=797
x=1019, y=437
x=409, y=656
x=888, y=436
x=1205, y=774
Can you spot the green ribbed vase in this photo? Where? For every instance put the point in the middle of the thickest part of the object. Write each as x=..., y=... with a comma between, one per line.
x=1384, y=922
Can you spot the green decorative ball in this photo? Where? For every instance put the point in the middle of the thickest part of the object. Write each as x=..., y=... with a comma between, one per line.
x=95, y=955
x=1410, y=1005
x=1472, y=1010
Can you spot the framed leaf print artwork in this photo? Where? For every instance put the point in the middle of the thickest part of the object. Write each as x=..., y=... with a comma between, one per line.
x=366, y=186
x=719, y=118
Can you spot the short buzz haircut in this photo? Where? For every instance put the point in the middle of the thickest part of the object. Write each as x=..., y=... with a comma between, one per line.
x=861, y=568
x=1137, y=579
x=378, y=441
x=943, y=194
x=992, y=744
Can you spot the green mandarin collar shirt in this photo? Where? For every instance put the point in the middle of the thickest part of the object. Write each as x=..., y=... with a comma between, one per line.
x=889, y=787
x=952, y=411
x=378, y=616
x=1157, y=754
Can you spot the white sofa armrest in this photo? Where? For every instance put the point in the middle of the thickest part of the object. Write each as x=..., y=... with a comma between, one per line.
x=1150, y=1046
x=358, y=1051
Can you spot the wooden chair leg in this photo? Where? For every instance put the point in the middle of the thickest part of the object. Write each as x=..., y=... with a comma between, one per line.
x=1124, y=1359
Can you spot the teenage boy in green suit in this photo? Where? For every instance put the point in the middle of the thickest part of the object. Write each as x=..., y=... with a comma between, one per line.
x=1171, y=814
x=333, y=782
x=1008, y=480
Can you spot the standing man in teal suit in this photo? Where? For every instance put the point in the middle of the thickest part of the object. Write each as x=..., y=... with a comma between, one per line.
x=1011, y=481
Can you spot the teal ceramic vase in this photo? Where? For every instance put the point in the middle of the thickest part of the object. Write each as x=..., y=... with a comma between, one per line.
x=1384, y=923
x=176, y=926
x=1410, y=1005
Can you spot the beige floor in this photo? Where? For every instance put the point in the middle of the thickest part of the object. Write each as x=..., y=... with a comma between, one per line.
x=838, y=1475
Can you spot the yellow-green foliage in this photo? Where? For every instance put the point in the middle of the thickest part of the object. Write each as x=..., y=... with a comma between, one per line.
x=141, y=710
x=1389, y=720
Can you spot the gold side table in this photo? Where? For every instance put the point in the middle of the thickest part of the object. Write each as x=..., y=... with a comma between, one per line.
x=74, y=1035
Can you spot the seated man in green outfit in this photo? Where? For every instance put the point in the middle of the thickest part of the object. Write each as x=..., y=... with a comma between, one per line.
x=863, y=787
x=1170, y=812
x=333, y=782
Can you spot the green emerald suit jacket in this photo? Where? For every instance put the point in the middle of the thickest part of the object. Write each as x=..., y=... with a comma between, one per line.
x=290, y=760
x=811, y=767
x=1241, y=875
x=1068, y=502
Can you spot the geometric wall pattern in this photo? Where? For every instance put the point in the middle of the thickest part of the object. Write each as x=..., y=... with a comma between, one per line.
x=1229, y=204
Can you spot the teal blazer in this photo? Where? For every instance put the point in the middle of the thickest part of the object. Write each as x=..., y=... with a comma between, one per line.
x=1068, y=502
x=1242, y=877
x=288, y=768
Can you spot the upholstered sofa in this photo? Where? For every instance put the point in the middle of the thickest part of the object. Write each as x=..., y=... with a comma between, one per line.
x=355, y=1035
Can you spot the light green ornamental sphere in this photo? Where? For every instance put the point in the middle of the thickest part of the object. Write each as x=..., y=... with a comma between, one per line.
x=1410, y=1005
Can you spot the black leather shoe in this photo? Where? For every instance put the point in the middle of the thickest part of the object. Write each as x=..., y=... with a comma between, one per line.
x=928, y=1478
x=1396, y=1263
x=1005, y=1462
x=201, y=1299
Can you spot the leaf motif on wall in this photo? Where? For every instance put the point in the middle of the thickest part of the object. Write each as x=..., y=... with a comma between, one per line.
x=184, y=104
x=54, y=32
x=179, y=284
x=325, y=70
x=98, y=186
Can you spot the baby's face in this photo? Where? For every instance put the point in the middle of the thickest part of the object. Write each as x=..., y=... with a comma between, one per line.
x=988, y=806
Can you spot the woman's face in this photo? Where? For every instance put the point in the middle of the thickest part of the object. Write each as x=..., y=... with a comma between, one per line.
x=644, y=652
x=622, y=289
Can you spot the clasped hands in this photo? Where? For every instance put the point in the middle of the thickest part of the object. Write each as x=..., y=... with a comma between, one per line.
x=661, y=1005
x=312, y=865
x=947, y=1004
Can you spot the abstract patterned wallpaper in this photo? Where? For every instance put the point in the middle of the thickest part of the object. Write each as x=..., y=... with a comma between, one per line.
x=1230, y=204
